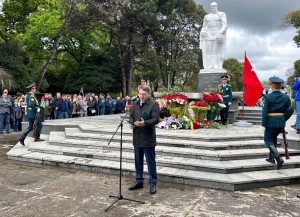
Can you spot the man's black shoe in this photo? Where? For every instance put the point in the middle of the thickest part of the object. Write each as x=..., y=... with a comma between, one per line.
x=279, y=163
x=271, y=160
x=7, y=132
x=136, y=186
x=152, y=189
x=293, y=126
x=298, y=195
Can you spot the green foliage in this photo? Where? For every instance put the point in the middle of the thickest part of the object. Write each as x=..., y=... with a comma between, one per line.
x=235, y=70
x=16, y=62
x=16, y=14
x=95, y=74
x=293, y=19
x=172, y=90
x=296, y=73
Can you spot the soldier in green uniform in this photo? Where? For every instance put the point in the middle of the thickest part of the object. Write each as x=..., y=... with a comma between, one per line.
x=225, y=91
x=32, y=109
x=276, y=111
x=101, y=104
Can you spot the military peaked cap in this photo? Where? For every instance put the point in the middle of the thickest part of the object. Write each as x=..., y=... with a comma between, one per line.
x=30, y=86
x=276, y=80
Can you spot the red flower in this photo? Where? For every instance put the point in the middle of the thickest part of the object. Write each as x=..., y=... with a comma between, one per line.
x=197, y=123
x=200, y=104
x=175, y=99
x=212, y=98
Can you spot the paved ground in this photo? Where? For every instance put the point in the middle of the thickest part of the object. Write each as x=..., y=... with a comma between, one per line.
x=39, y=190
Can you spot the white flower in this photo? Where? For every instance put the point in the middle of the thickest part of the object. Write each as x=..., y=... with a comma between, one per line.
x=222, y=105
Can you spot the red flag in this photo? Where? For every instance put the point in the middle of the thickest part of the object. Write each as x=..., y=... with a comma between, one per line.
x=254, y=87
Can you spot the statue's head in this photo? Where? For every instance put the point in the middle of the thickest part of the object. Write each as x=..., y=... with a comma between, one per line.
x=214, y=7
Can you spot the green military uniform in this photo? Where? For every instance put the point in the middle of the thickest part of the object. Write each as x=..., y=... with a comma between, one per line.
x=225, y=91
x=276, y=111
x=101, y=105
x=32, y=109
x=32, y=105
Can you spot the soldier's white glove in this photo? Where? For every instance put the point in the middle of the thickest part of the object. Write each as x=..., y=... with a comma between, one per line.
x=229, y=103
x=38, y=109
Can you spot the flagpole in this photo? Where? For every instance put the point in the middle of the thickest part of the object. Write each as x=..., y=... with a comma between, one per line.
x=243, y=123
x=243, y=90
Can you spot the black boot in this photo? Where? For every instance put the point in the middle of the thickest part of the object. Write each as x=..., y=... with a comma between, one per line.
x=225, y=119
x=222, y=117
x=37, y=136
x=24, y=136
x=271, y=158
x=275, y=153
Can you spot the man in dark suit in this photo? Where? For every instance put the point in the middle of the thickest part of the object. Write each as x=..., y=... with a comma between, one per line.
x=225, y=91
x=276, y=111
x=126, y=102
x=144, y=117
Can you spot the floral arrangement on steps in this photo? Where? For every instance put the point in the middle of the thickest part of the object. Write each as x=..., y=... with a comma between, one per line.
x=176, y=104
x=186, y=123
x=200, y=109
x=215, y=101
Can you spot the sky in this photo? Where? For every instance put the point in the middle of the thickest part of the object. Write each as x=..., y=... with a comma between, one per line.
x=254, y=27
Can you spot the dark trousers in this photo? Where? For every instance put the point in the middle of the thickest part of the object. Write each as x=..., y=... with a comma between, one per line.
x=139, y=164
x=16, y=125
x=4, y=118
x=270, y=136
x=224, y=113
x=31, y=122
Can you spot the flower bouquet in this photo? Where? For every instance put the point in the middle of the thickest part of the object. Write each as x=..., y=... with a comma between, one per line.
x=128, y=108
x=172, y=124
x=214, y=100
x=200, y=109
x=162, y=107
x=176, y=104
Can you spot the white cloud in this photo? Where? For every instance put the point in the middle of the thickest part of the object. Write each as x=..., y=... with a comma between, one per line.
x=270, y=54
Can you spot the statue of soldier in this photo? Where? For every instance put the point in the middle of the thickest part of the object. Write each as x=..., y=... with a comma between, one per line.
x=213, y=38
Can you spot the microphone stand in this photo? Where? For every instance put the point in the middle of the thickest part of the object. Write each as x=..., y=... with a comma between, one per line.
x=120, y=196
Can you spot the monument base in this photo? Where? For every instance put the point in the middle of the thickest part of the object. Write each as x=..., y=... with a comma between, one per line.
x=209, y=77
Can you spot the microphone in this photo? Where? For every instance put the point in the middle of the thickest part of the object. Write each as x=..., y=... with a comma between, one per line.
x=135, y=98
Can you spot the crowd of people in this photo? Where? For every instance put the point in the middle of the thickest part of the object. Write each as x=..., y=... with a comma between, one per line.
x=13, y=109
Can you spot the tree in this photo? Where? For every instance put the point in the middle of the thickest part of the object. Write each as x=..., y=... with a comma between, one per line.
x=16, y=63
x=96, y=73
x=293, y=19
x=16, y=14
x=235, y=70
x=296, y=74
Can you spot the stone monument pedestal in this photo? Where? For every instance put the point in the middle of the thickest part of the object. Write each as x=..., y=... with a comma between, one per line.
x=209, y=77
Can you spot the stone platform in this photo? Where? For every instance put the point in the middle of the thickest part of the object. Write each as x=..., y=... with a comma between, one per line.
x=232, y=159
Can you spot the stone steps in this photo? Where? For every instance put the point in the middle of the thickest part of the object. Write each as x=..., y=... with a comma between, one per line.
x=170, y=158
x=232, y=159
x=249, y=118
x=235, y=181
x=75, y=136
x=178, y=134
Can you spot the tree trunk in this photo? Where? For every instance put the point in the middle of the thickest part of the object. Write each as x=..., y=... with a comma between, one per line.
x=54, y=49
x=122, y=65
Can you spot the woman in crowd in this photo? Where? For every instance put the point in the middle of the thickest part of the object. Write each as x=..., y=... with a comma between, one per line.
x=91, y=106
x=75, y=107
x=81, y=106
